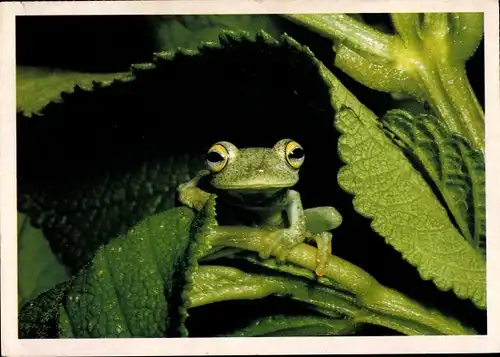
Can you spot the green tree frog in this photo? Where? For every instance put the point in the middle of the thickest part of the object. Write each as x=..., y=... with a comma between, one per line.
x=253, y=188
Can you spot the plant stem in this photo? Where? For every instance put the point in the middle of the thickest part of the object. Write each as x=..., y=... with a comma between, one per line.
x=369, y=293
x=407, y=26
x=461, y=97
x=428, y=58
x=219, y=283
x=344, y=28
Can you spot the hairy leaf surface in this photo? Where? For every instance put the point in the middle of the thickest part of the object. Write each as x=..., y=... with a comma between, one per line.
x=404, y=209
x=132, y=288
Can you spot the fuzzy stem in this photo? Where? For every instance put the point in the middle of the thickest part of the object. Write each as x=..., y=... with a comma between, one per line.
x=346, y=29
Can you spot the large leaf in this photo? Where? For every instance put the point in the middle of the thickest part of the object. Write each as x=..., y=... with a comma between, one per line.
x=132, y=288
x=405, y=210
x=374, y=162
x=453, y=165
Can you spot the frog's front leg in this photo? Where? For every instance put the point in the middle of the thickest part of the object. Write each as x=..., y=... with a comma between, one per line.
x=191, y=195
x=282, y=240
x=319, y=221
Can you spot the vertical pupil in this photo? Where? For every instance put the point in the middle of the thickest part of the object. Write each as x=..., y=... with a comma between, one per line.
x=296, y=153
x=214, y=156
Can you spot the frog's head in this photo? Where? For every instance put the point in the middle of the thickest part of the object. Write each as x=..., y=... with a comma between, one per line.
x=255, y=169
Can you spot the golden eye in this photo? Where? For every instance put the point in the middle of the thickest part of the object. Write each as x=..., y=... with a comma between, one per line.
x=294, y=154
x=217, y=158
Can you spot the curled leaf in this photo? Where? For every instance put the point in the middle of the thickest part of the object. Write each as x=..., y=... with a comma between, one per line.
x=455, y=167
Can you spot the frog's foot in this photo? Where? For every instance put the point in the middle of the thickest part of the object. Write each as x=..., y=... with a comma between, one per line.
x=280, y=242
x=192, y=196
x=324, y=245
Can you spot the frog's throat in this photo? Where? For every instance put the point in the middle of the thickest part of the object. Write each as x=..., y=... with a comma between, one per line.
x=253, y=198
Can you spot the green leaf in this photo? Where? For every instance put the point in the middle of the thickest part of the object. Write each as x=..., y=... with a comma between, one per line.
x=453, y=165
x=404, y=209
x=37, y=86
x=281, y=325
x=38, y=268
x=132, y=288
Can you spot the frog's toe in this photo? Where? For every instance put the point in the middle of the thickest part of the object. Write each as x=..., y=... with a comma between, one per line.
x=324, y=244
x=282, y=254
x=268, y=246
x=265, y=253
x=287, y=240
x=279, y=244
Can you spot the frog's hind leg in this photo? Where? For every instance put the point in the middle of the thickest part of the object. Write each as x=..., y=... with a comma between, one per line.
x=319, y=221
x=324, y=246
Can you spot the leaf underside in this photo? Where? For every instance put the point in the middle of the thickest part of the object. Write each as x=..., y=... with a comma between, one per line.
x=453, y=165
x=404, y=209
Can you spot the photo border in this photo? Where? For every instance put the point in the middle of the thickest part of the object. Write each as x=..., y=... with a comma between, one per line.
x=12, y=345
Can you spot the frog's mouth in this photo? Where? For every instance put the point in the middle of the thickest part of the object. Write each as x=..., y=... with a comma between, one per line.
x=254, y=197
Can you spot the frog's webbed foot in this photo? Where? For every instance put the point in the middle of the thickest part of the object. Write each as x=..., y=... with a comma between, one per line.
x=192, y=196
x=324, y=246
x=280, y=242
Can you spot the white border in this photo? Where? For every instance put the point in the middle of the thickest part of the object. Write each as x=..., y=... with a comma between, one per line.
x=11, y=345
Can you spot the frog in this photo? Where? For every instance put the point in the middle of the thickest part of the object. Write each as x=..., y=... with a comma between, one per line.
x=258, y=182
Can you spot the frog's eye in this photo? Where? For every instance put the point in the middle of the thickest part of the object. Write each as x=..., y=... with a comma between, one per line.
x=294, y=154
x=217, y=157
